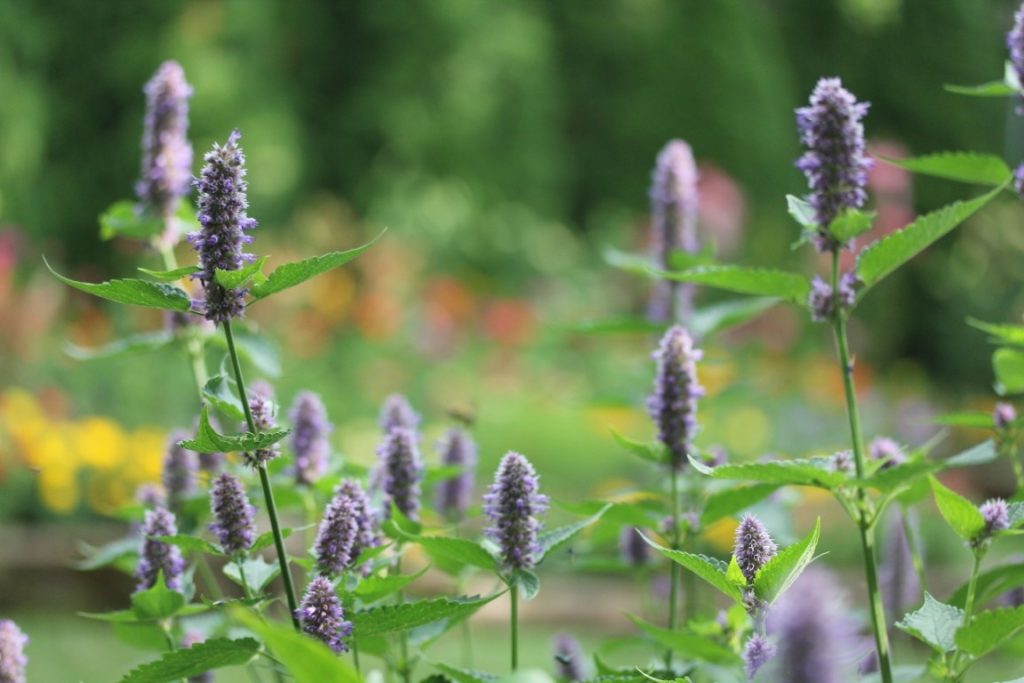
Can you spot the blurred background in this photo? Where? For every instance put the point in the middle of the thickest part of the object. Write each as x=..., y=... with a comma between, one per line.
x=505, y=146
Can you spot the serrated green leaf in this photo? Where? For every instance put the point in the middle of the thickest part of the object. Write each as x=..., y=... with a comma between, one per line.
x=968, y=167
x=146, y=341
x=392, y=618
x=207, y=439
x=195, y=661
x=990, y=629
x=1009, y=368
x=550, y=540
x=711, y=570
x=170, y=275
x=452, y=552
x=220, y=391
x=191, y=544
x=527, y=583
x=291, y=274
x=934, y=623
x=688, y=645
x=804, y=472
x=652, y=452
x=258, y=572
x=966, y=418
x=241, y=277
x=802, y=212
x=881, y=258
x=122, y=219
x=728, y=502
x=133, y=292
x=158, y=602
x=889, y=479
x=850, y=224
x=781, y=571
x=374, y=588
x=1002, y=333
x=307, y=659
x=779, y=284
x=709, y=320
x=734, y=574
x=961, y=514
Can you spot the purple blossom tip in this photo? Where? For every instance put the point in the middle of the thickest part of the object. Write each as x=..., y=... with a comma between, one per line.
x=310, y=430
x=842, y=461
x=633, y=550
x=222, y=215
x=1004, y=415
x=674, y=205
x=13, y=661
x=835, y=162
x=455, y=493
x=996, y=514
x=822, y=301
x=568, y=655
x=400, y=470
x=232, y=514
x=887, y=451
x=322, y=616
x=673, y=403
x=366, y=522
x=753, y=548
x=166, y=153
x=756, y=654
x=514, y=504
x=397, y=412
x=336, y=536
x=156, y=556
x=179, y=473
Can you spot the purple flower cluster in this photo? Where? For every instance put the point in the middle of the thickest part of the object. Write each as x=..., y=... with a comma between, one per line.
x=455, y=493
x=568, y=657
x=366, y=521
x=322, y=616
x=674, y=204
x=996, y=514
x=222, y=215
x=166, y=152
x=12, y=653
x=157, y=556
x=633, y=550
x=673, y=404
x=835, y=162
x=514, y=504
x=1003, y=415
x=1015, y=44
x=887, y=451
x=261, y=405
x=756, y=654
x=753, y=547
x=336, y=537
x=179, y=473
x=822, y=301
x=232, y=514
x=397, y=412
x=400, y=470
x=310, y=429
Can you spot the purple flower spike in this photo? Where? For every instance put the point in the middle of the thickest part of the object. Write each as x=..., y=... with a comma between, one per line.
x=756, y=654
x=366, y=521
x=633, y=550
x=336, y=536
x=156, y=556
x=568, y=654
x=397, y=412
x=835, y=162
x=673, y=404
x=310, y=429
x=192, y=638
x=887, y=451
x=821, y=300
x=222, y=215
x=166, y=152
x=455, y=493
x=232, y=514
x=400, y=470
x=322, y=616
x=261, y=405
x=996, y=514
x=514, y=504
x=1004, y=415
x=180, y=467
x=12, y=653
x=754, y=547
x=674, y=204
x=1015, y=44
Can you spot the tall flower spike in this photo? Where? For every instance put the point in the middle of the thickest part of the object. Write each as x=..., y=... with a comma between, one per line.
x=180, y=467
x=632, y=548
x=12, y=653
x=261, y=405
x=310, y=430
x=366, y=522
x=1015, y=44
x=156, y=556
x=754, y=547
x=166, y=152
x=222, y=215
x=756, y=654
x=397, y=412
x=232, y=514
x=673, y=404
x=514, y=506
x=674, y=204
x=568, y=655
x=835, y=162
x=400, y=470
x=455, y=493
x=322, y=616
x=336, y=536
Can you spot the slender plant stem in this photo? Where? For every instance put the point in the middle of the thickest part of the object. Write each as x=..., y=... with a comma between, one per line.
x=972, y=586
x=514, y=595
x=245, y=582
x=268, y=492
x=914, y=543
x=863, y=520
x=355, y=656
x=673, y=597
x=405, y=669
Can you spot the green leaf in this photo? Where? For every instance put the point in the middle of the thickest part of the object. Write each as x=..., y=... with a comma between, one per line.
x=812, y=472
x=968, y=167
x=728, y=502
x=209, y=441
x=734, y=574
x=979, y=454
x=392, y=618
x=254, y=348
x=781, y=571
x=1009, y=368
x=233, y=279
x=220, y=391
x=990, y=629
x=170, y=275
x=802, y=212
x=191, y=544
x=615, y=326
x=265, y=540
x=158, y=602
x=850, y=224
x=637, y=264
x=708, y=320
x=889, y=479
x=688, y=645
x=1005, y=334
x=375, y=588
x=652, y=452
x=990, y=89
x=307, y=659
x=121, y=219
x=527, y=583
x=258, y=572
x=883, y=257
x=292, y=274
x=146, y=341
x=757, y=281
x=106, y=554
x=961, y=514
x=133, y=292
x=465, y=675
x=991, y=583
x=195, y=661
x=711, y=570
x=453, y=552
x=934, y=623
x=967, y=418
x=553, y=539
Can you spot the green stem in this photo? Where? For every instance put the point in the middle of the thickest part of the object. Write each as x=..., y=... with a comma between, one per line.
x=406, y=668
x=972, y=586
x=863, y=519
x=268, y=492
x=241, y=573
x=355, y=657
x=514, y=594
x=673, y=597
